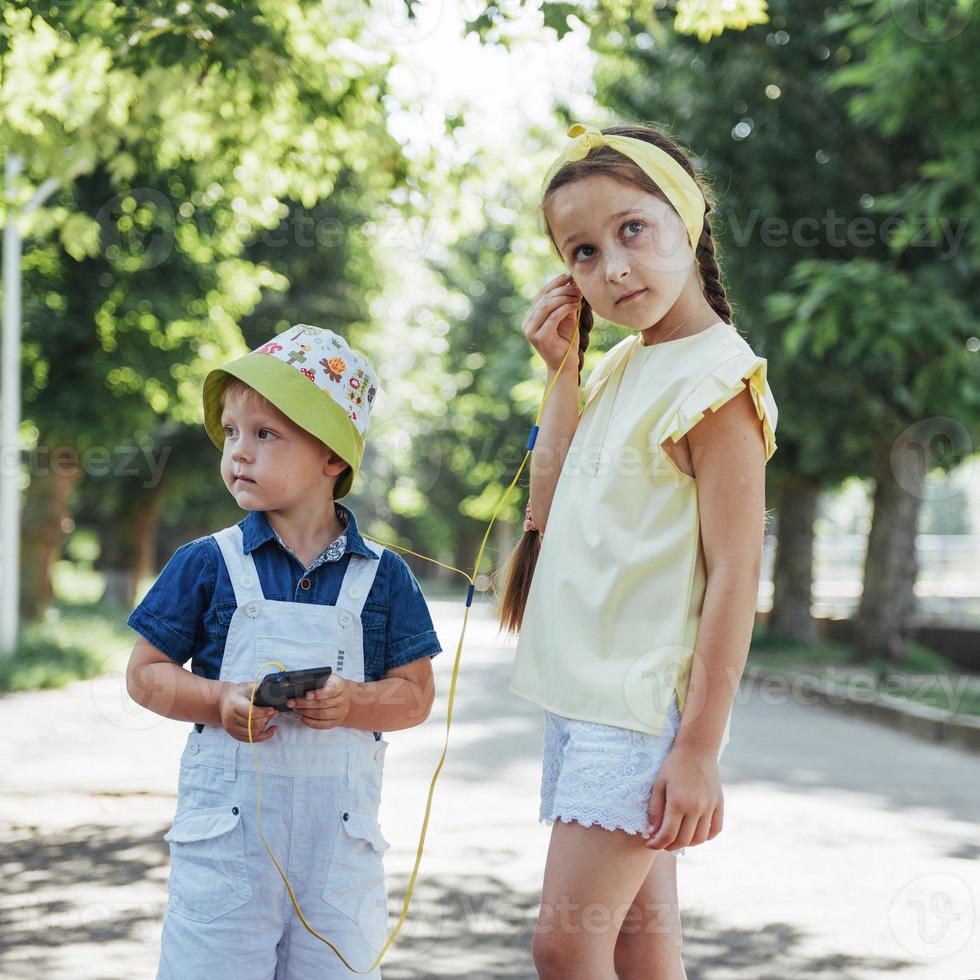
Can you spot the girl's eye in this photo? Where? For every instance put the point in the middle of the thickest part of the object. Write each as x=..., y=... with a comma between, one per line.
x=228, y=429
x=635, y=221
x=266, y=431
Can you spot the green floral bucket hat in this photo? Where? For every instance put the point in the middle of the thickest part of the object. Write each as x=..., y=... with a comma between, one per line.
x=316, y=380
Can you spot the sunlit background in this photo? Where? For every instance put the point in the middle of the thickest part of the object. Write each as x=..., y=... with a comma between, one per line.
x=183, y=181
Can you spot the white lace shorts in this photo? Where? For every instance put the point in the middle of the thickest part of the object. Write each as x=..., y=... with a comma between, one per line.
x=602, y=774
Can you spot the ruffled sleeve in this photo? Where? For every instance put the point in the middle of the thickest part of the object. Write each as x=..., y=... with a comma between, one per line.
x=721, y=384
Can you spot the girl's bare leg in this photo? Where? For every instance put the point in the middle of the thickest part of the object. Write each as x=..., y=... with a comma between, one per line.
x=591, y=878
x=650, y=941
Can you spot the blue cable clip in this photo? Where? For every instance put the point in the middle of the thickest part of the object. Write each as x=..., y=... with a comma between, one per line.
x=533, y=437
x=469, y=595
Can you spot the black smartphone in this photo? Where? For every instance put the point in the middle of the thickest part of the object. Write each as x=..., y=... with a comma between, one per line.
x=276, y=689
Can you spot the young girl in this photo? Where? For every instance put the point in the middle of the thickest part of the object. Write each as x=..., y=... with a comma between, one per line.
x=644, y=537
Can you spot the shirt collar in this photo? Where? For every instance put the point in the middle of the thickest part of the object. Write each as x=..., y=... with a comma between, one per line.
x=256, y=530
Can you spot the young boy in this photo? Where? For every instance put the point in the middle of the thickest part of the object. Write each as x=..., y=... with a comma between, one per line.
x=293, y=585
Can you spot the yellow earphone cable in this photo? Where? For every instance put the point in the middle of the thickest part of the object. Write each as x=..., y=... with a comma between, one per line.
x=452, y=690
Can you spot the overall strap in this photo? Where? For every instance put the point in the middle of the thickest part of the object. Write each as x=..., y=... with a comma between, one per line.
x=241, y=567
x=359, y=578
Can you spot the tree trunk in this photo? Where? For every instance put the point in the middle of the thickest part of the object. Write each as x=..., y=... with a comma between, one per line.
x=128, y=552
x=888, y=602
x=792, y=575
x=42, y=528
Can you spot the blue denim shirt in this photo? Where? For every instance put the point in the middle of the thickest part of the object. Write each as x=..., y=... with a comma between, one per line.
x=187, y=612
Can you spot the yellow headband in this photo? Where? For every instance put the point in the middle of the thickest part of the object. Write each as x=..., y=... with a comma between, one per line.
x=676, y=183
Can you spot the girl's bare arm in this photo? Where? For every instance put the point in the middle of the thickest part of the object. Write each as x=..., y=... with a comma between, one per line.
x=729, y=457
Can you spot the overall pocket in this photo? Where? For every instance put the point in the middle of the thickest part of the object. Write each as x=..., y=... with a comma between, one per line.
x=208, y=873
x=355, y=882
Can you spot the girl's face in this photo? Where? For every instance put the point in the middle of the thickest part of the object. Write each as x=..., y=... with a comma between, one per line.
x=269, y=463
x=618, y=240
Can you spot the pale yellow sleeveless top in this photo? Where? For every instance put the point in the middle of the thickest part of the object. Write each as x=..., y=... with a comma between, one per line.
x=615, y=602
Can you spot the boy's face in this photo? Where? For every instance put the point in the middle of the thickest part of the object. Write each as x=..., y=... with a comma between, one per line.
x=269, y=463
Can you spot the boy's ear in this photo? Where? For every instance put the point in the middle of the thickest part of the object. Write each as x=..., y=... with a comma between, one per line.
x=334, y=464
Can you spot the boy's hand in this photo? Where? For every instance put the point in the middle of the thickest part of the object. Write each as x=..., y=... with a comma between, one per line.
x=327, y=706
x=233, y=705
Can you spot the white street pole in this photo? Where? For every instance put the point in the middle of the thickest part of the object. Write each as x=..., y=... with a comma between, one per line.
x=9, y=429
x=10, y=393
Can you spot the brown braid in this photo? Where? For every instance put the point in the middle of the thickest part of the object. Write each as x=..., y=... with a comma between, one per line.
x=606, y=161
x=714, y=291
x=519, y=569
x=584, y=335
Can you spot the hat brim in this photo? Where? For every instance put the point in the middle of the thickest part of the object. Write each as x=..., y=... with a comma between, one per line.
x=297, y=398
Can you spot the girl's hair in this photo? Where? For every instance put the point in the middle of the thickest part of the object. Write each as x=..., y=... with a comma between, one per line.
x=607, y=162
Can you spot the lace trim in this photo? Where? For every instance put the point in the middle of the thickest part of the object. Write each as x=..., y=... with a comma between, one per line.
x=609, y=824
x=606, y=779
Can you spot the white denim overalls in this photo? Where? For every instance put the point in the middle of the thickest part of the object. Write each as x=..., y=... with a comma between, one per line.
x=228, y=912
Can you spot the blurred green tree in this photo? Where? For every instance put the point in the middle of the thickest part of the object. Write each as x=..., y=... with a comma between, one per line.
x=865, y=329
x=198, y=129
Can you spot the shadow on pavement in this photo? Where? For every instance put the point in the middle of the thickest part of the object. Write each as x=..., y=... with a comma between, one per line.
x=467, y=924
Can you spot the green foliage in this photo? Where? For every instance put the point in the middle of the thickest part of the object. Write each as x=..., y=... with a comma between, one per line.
x=927, y=53
x=789, y=658
x=227, y=169
x=843, y=267
x=867, y=323
x=556, y=17
x=63, y=101
x=777, y=651
x=703, y=18
x=206, y=136
x=478, y=445
x=920, y=659
x=772, y=649
x=707, y=20
x=82, y=642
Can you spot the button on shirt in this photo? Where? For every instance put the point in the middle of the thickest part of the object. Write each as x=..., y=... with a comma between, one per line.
x=187, y=612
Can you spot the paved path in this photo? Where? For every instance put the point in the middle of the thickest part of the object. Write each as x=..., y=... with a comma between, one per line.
x=849, y=850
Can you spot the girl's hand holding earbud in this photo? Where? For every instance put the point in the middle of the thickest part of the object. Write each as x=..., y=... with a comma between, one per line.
x=550, y=322
x=233, y=704
x=686, y=804
x=327, y=706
